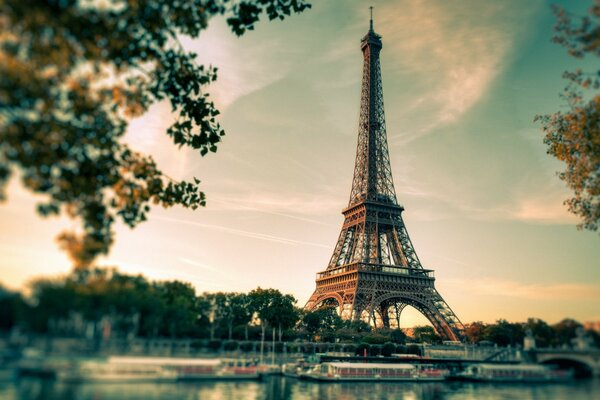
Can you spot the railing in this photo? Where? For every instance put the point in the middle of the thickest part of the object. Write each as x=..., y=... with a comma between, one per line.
x=388, y=269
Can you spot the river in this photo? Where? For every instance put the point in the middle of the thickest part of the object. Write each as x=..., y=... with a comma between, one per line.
x=276, y=387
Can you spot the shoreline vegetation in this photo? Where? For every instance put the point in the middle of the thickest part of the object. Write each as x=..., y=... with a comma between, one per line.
x=101, y=304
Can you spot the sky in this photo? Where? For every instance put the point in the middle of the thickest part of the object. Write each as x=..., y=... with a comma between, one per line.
x=462, y=82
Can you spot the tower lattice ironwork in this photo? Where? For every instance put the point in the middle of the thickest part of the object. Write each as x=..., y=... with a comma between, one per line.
x=374, y=271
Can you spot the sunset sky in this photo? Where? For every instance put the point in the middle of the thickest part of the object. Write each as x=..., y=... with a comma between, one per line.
x=462, y=82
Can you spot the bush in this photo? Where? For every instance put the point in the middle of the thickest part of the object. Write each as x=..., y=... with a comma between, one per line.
x=292, y=348
x=360, y=349
x=247, y=346
x=387, y=349
x=375, y=350
x=322, y=347
x=350, y=348
x=231, y=345
x=215, y=345
x=413, y=349
x=279, y=347
x=308, y=348
x=401, y=349
x=375, y=338
x=198, y=344
x=398, y=336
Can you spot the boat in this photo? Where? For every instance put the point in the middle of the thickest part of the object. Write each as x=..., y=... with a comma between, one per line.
x=296, y=369
x=346, y=371
x=117, y=370
x=157, y=369
x=527, y=373
x=238, y=369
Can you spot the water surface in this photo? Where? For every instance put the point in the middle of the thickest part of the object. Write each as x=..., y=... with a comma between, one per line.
x=292, y=389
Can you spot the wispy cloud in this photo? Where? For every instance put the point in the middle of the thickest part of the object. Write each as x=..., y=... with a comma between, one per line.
x=261, y=207
x=198, y=264
x=240, y=61
x=539, y=202
x=239, y=232
x=534, y=291
x=453, y=49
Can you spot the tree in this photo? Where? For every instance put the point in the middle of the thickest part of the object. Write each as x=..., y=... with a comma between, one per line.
x=398, y=336
x=321, y=322
x=574, y=136
x=180, y=312
x=543, y=333
x=504, y=333
x=53, y=300
x=274, y=309
x=11, y=309
x=74, y=73
x=425, y=334
x=232, y=309
x=565, y=331
x=475, y=332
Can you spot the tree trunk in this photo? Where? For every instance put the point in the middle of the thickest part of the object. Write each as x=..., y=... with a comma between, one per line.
x=262, y=343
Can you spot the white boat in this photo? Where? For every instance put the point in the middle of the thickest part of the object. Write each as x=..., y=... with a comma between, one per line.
x=528, y=373
x=238, y=369
x=157, y=369
x=117, y=370
x=345, y=371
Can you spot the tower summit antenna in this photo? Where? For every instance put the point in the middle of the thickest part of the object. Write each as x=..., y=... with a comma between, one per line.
x=371, y=26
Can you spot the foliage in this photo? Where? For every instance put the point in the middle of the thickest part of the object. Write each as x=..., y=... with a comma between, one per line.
x=542, y=332
x=74, y=73
x=505, y=333
x=215, y=344
x=323, y=322
x=232, y=309
x=362, y=349
x=388, y=349
x=274, y=309
x=425, y=334
x=475, y=332
x=79, y=304
x=574, y=136
x=565, y=331
x=11, y=309
x=375, y=338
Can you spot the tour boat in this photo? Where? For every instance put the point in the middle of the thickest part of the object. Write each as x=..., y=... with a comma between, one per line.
x=345, y=371
x=117, y=370
x=296, y=369
x=528, y=373
x=238, y=369
x=157, y=369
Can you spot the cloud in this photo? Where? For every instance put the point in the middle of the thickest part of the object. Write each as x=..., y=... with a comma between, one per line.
x=533, y=291
x=533, y=202
x=240, y=61
x=239, y=232
x=453, y=50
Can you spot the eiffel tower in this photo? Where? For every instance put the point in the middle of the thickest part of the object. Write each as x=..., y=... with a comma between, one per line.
x=374, y=271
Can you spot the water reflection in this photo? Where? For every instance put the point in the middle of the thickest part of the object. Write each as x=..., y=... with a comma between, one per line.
x=275, y=388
